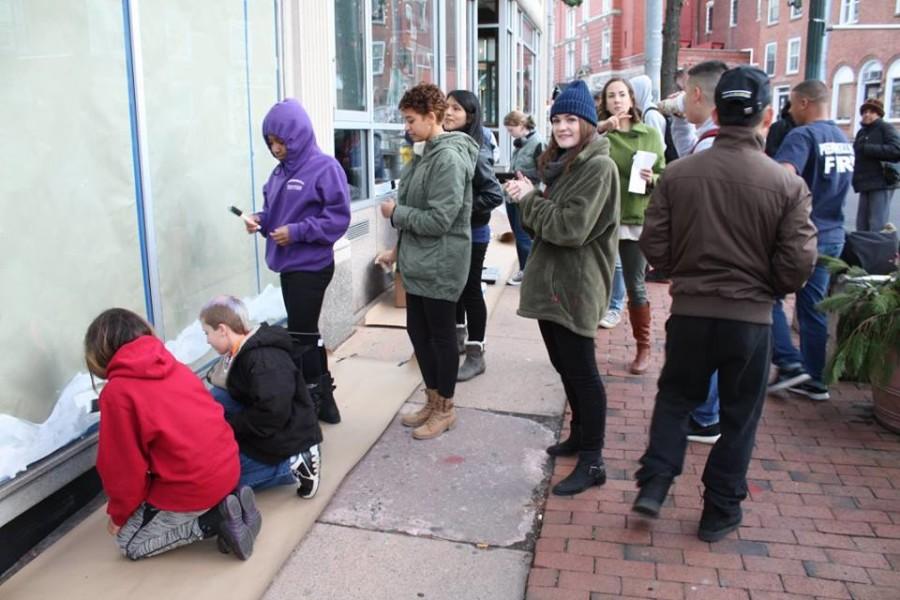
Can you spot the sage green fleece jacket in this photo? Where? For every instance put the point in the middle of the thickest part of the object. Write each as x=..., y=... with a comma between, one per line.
x=622, y=147
x=569, y=273
x=434, y=205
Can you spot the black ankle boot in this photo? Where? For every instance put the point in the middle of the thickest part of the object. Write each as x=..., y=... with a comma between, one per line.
x=570, y=446
x=326, y=407
x=589, y=471
x=651, y=496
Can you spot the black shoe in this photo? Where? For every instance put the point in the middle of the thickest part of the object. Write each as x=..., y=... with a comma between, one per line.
x=306, y=469
x=249, y=512
x=235, y=535
x=322, y=394
x=704, y=435
x=589, y=471
x=812, y=390
x=787, y=378
x=570, y=446
x=715, y=524
x=651, y=496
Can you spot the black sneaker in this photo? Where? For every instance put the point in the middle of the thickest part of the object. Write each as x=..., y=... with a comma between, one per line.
x=812, y=390
x=651, y=496
x=306, y=469
x=704, y=435
x=787, y=378
x=715, y=524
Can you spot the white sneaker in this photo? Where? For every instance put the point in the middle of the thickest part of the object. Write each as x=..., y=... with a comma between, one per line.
x=516, y=279
x=610, y=319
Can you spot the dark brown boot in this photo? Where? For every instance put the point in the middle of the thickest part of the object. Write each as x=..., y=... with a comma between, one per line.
x=640, y=328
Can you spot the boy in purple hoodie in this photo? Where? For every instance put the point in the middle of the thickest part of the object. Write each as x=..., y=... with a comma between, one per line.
x=306, y=208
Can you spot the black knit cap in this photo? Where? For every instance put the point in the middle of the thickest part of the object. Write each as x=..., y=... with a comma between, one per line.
x=742, y=93
x=575, y=100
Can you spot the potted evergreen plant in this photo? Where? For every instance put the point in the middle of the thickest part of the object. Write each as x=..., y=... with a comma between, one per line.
x=868, y=335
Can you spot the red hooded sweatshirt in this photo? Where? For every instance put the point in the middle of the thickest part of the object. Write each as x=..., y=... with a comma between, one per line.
x=163, y=438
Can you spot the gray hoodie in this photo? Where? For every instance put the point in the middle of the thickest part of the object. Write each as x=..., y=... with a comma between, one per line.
x=643, y=99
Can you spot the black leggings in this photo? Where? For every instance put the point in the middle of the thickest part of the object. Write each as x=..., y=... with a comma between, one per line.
x=572, y=356
x=471, y=303
x=303, y=292
x=432, y=331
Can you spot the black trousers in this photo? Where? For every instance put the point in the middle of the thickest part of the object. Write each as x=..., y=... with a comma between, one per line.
x=303, y=292
x=573, y=357
x=695, y=348
x=471, y=303
x=431, y=327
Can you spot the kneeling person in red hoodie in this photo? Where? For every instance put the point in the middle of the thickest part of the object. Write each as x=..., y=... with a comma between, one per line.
x=265, y=398
x=167, y=459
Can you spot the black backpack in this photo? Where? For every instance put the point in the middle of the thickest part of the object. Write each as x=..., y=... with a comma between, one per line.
x=671, y=152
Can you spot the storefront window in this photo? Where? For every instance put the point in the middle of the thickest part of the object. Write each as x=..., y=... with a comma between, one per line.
x=452, y=53
x=349, y=16
x=405, y=29
x=350, y=151
x=487, y=75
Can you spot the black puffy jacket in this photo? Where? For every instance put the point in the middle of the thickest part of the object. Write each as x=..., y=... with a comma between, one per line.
x=278, y=419
x=486, y=192
x=874, y=143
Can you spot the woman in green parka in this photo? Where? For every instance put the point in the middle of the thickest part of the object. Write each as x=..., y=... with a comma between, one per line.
x=621, y=120
x=432, y=212
x=568, y=276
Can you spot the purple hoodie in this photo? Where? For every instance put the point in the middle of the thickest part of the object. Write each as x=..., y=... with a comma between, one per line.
x=307, y=192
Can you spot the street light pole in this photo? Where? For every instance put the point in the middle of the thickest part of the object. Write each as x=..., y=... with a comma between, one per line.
x=815, y=40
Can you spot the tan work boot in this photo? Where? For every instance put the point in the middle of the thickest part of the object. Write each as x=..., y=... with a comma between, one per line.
x=414, y=419
x=442, y=418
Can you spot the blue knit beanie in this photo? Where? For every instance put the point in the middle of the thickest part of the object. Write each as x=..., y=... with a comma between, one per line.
x=575, y=100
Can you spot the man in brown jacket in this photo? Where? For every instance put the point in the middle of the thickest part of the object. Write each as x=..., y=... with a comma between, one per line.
x=733, y=229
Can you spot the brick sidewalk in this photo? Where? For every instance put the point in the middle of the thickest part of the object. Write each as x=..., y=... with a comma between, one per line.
x=822, y=520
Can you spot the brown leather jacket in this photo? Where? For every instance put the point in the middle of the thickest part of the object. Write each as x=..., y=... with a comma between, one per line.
x=732, y=228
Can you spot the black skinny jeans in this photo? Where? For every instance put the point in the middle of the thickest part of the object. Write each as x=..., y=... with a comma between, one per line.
x=695, y=348
x=303, y=292
x=431, y=327
x=573, y=357
x=471, y=303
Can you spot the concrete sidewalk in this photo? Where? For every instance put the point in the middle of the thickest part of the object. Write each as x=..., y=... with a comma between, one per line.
x=449, y=518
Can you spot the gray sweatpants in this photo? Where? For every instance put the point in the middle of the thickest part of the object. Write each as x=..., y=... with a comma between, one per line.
x=150, y=531
x=874, y=210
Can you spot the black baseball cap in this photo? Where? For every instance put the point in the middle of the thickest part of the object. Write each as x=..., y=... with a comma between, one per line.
x=741, y=94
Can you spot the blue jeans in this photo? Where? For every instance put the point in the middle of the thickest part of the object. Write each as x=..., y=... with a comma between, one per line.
x=813, y=324
x=523, y=242
x=708, y=413
x=254, y=473
x=617, y=298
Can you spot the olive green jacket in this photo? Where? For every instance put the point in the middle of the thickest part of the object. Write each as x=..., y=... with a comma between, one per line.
x=569, y=273
x=434, y=205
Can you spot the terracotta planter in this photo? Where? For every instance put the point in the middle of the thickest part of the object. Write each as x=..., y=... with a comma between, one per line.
x=886, y=399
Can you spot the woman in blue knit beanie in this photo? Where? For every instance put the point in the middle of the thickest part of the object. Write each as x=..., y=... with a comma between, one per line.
x=574, y=221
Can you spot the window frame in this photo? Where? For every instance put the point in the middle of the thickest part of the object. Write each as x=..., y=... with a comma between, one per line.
x=774, y=46
x=773, y=4
x=845, y=17
x=710, y=5
x=787, y=66
x=733, y=16
x=606, y=45
x=795, y=12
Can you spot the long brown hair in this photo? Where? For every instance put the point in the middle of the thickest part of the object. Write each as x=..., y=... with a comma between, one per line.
x=634, y=111
x=111, y=330
x=552, y=151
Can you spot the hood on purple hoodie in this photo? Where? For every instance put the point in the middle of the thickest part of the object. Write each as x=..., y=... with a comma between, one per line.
x=288, y=121
x=307, y=192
